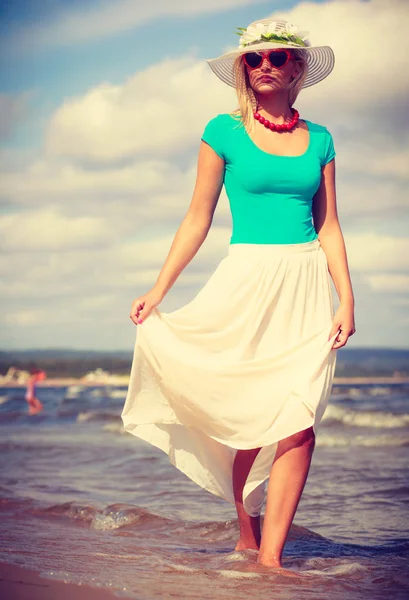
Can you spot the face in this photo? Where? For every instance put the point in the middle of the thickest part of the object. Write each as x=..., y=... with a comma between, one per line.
x=265, y=77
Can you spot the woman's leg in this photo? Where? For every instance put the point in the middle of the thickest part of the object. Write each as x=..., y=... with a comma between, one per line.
x=34, y=404
x=287, y=479
x=249, y=526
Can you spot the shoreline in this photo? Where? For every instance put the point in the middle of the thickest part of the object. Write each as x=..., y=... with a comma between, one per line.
x=23, y=583
x=124, y=381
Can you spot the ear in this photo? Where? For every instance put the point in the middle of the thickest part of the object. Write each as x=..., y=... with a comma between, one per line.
x=296, y=71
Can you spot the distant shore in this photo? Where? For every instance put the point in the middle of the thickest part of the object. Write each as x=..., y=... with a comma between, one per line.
x=124, y=380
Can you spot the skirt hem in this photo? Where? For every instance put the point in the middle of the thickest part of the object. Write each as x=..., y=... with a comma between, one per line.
x=253, y=490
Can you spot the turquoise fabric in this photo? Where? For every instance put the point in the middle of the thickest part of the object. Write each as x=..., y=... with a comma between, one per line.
x=270, y=196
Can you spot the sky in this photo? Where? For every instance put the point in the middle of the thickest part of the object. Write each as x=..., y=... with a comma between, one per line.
x=102, y=106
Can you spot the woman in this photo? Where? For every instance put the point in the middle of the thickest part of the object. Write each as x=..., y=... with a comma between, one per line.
x=233, y=385
x=34, y=404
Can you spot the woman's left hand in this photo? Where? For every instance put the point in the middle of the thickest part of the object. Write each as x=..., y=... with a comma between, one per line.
x=343, y=322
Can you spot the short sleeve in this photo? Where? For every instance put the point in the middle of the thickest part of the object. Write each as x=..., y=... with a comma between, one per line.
x=213, y=136
x=329, y=150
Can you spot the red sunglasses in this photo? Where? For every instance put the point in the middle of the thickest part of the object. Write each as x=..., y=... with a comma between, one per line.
x=278, y=58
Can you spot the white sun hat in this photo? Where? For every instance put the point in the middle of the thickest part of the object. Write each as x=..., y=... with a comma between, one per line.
x=265, y=34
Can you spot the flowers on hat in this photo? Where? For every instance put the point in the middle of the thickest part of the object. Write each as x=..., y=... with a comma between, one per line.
x=272, y=32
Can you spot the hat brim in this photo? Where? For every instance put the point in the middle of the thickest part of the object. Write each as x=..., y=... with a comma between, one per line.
x=320, y=61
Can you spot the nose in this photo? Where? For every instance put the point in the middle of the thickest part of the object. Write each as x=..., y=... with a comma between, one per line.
x=265, y=62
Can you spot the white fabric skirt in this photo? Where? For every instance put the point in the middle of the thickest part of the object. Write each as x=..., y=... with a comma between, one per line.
x=243, y=365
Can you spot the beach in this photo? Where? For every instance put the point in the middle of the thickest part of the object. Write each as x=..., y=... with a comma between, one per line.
x=20, y=583
x=86, y=508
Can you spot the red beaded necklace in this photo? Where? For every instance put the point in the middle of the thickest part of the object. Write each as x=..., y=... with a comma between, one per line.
x=278, y=126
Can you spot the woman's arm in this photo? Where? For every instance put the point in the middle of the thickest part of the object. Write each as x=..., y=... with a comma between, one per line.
x=329, y=232
x=196, y=224
x=191, y=233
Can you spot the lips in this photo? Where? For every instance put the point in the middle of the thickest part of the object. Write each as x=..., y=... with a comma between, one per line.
x=266, y=79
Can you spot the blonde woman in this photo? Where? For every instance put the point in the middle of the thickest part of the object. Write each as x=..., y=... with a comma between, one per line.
x=233, y=385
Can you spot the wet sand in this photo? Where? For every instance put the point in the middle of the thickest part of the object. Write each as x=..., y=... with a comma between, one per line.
x=19, y=583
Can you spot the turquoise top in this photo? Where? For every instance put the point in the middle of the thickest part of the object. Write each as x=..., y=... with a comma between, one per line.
x=270, y=196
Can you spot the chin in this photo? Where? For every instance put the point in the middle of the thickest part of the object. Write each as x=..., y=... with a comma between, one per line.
x=265, y=88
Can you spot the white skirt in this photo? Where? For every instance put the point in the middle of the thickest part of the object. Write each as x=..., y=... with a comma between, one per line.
x=243, y=365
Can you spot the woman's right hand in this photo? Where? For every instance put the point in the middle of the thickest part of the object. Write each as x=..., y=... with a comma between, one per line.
x=142, y=306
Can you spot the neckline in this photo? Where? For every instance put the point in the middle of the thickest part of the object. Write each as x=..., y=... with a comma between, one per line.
x=283, y=155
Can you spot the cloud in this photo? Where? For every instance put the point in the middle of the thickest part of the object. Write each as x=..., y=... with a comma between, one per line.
x=157, y=112
x=24, y=318
x=48, y=180
x=153, y=252
x=115, y=265
x=365, y=73
x=135, y=264
x=364, y=198
x=13, y=107
x=80, y=289
x=103, y=19
x=376, y=155
x=373, y=252
x=390, y=283
x=161, y=111
x=47, y=229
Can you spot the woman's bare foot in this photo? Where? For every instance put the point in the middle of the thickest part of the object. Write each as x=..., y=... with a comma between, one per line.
x=247, y=545
x=270, y=562
x=275, y=563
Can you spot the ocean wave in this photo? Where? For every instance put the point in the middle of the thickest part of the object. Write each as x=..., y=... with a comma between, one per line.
x=323, y=438
x=118, y=516
x=117, y=393
x=377, y=419
x=114, y=516
x=75, y=391
x=326, y=440
x=95, y=415
x=114, y=427
x=127, y=516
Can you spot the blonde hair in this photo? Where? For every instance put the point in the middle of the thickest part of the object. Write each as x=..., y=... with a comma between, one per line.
x=245, y=95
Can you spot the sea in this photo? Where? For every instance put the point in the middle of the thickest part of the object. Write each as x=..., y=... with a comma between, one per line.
x=82, y=501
